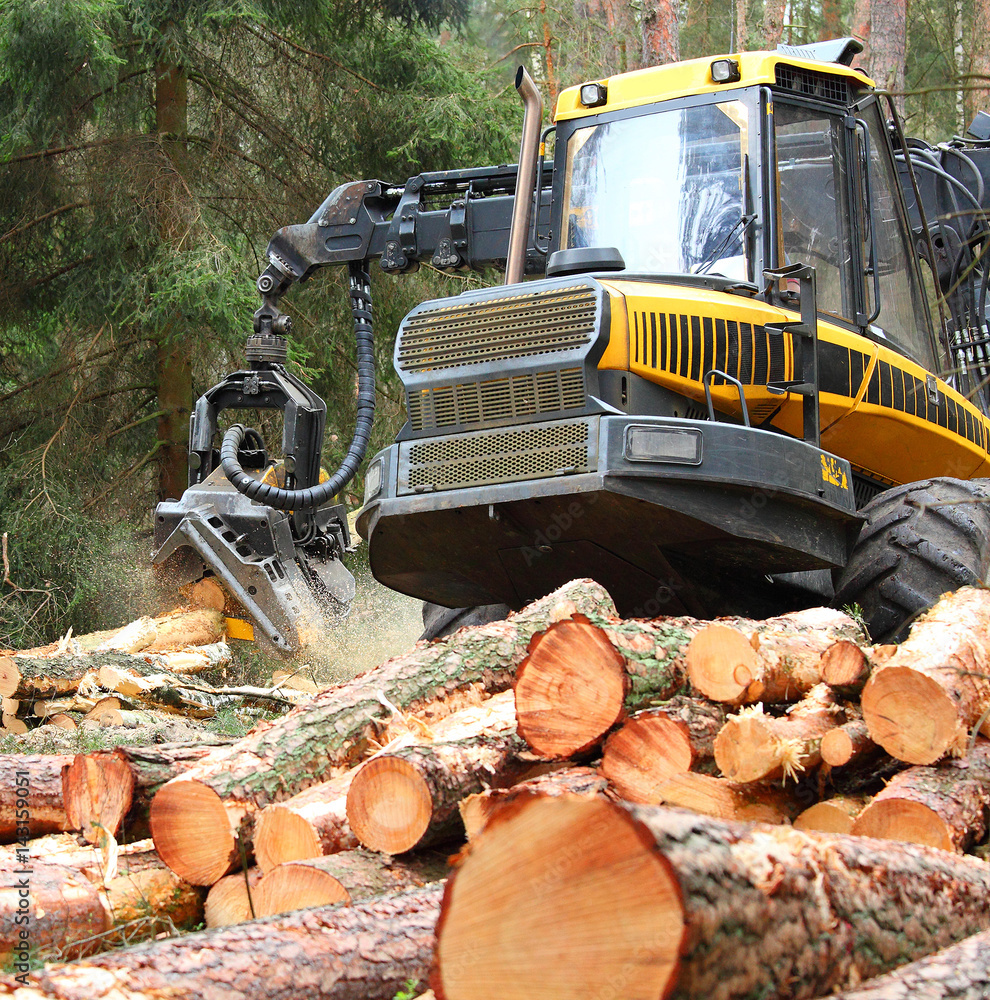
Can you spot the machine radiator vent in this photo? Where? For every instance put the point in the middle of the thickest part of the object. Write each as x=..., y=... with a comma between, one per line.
x=474, y=404
x=810, y=83
x=496, y=329
x=498, y=456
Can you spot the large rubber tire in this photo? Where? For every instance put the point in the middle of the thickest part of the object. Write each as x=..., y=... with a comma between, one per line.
x=439, y=621
x=919, y=541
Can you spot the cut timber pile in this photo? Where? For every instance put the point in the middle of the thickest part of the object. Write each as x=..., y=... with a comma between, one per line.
x=562, y=885
x=581, y=895
x=195, y=819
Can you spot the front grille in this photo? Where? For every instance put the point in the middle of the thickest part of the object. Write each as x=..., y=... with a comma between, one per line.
x=499, y=456
x=811, y=83
x=495, y=329
x=491, y=400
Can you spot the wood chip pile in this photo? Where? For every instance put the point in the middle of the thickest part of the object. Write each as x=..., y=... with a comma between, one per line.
x=674, y=807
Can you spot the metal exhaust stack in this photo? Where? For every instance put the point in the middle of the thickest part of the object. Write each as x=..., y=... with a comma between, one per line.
x=529, y=147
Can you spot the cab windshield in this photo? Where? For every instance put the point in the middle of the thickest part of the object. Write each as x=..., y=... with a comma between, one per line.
x=667, y=189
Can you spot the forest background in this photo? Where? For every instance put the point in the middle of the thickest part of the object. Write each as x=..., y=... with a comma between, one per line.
x=149, y=149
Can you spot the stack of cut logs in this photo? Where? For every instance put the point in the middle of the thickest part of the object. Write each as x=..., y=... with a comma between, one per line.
x=555, y=743
x=132, y=676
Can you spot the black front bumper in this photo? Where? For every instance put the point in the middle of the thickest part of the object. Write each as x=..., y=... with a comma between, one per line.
x=702, y=529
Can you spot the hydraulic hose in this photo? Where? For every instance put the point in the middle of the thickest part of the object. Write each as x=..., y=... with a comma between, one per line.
x=316, y=496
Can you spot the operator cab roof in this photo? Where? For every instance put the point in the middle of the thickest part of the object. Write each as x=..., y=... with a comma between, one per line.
x=683, y=79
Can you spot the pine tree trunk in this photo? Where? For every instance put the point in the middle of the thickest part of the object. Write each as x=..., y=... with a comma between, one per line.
x=888, y=46
x=202, y=812
x=936, y=686
x=370, y=950
x=658, y=743
x=661, y=32
x=585, y=897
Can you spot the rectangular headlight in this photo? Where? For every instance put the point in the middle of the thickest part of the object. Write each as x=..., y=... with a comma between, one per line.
x=373, y=481
x=593, y=95
x=645, y=443
x=725, y=71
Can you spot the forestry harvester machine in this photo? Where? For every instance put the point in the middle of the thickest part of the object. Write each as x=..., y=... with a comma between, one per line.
x=749, y=371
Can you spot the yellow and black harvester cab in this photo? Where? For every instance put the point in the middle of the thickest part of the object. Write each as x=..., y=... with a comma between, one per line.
x=713, y=380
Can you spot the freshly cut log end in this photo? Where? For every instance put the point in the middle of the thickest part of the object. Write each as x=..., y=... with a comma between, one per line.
x=722, y=664
x=909, y=822
x=297, y=886
x=280, y=835
x=564, y=869
x=389, y=805
x=910, y=715
x=845, y=667
x=645, y=753
x=229, y=901
x=835, y=815
x=193, y=833
x=846, y=743
x=9, y=676
x=97, y=791
x=570, y=689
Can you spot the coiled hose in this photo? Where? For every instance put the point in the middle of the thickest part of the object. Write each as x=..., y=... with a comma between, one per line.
x=316, y=496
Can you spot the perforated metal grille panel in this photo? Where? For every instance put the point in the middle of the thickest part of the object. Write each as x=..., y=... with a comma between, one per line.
x=810, y=83
x=511, y=326
x=503, y=399
x=500, y=456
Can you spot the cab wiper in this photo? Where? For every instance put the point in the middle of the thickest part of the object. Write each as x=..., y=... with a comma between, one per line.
x=740, y=227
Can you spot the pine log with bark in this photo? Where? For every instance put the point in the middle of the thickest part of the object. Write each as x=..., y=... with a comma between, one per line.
x=658, y=743
x=586, y=897
x=69, y=915
x=370, y=950
x=848, y=743
x=65, y=850
x=777, y=660
x=942, y=806
x=961, y=972
x=936, y=686
x=748, y=802
x=477, y=809
x=314, y=822
x=40, y=776
x=409, y=798
x=754, y=746
x=343, y=878
x=308, y=825
x=845, y=668
x=202, y=812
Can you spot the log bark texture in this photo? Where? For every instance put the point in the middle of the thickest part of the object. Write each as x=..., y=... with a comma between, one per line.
x=652, y=902
x=658, y=743
x=335, y=730
x=936, y=685
x=942, y=806
x=40, y=775
x=370, y=950
x=961, y=972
